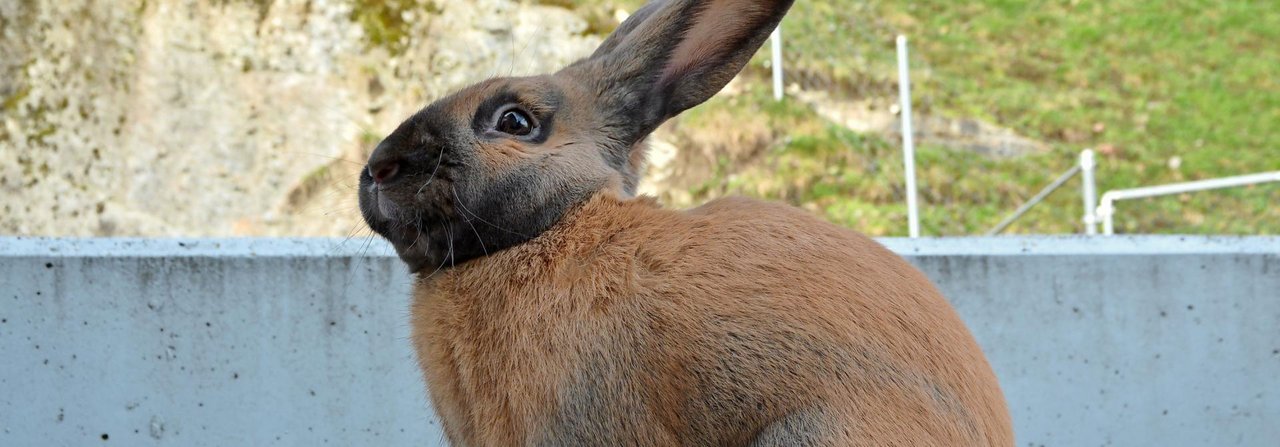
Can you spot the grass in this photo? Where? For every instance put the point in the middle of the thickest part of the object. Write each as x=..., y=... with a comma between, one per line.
x=387, y=23
x=1171, y=90
x=853, y=179
x=1167, y=91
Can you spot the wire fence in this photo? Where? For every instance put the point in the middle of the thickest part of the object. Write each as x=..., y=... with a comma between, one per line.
x=862, y=66
x=854, y=84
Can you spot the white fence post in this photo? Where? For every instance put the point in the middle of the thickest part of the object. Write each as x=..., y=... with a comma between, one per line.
x=1105, y=212
x=1090, y=192
x=908, y=145
x=776, y=43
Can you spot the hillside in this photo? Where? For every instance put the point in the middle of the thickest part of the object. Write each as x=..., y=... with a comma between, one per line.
x=1165, y=91
x=237, y=117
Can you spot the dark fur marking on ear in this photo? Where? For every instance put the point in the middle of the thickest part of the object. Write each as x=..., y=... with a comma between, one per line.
x=627, y=27
x=710, y=74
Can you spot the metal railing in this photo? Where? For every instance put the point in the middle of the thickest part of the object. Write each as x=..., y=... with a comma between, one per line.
x=1107, y=209
x=1088, y=191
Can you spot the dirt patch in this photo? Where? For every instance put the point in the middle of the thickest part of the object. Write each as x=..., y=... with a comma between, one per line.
x=881, y=116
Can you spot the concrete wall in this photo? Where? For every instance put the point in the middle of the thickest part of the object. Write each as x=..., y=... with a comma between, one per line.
x=1117, y=341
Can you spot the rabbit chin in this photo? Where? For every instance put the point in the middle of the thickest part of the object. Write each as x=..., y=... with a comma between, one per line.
x=416, y=245
x=416, y=256
x=411, y=237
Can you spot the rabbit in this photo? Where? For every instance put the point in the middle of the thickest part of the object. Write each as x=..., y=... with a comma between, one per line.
x=553, y=306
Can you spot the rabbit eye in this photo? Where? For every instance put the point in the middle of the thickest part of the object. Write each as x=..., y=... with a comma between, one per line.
x=515, y=122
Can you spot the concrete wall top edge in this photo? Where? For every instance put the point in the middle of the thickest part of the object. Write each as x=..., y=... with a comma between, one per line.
x=1078, y=245
x=374, y=247
x=195, y=247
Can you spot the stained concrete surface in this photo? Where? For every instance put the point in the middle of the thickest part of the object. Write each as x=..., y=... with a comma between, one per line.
x=1104, y=341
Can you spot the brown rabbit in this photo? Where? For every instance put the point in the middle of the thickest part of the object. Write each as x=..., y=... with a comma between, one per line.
x=553, y=307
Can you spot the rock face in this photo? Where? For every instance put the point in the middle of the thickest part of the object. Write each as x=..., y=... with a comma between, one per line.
x=232, y=117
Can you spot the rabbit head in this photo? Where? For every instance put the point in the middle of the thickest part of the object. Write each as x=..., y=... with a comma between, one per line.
x=499, y=162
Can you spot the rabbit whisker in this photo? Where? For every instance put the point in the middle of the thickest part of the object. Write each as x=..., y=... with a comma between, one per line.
x=439, y=159
x=417, y=218
x=449, y=238
x=350, y=234
x=467, y=212
x=468, y=221
x=330, y=158
x=438, y=267
x=364, y=247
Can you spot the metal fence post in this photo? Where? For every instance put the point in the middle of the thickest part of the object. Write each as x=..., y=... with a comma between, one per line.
x=1107, y=212
x=776, y=43
x=908, y=145
x=1090, y=192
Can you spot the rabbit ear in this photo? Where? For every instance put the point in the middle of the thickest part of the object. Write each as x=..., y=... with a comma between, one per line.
x=674, y=54
x=627, y=27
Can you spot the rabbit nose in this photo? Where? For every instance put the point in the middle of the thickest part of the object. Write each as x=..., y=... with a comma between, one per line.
x=384, y=170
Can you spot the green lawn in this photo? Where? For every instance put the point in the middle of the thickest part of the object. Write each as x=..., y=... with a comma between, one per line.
x=1152, y=84
x=1189, y=79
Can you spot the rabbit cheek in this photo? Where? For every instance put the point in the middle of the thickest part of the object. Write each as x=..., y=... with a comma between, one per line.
x=503, y=156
